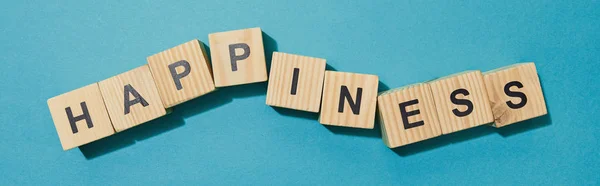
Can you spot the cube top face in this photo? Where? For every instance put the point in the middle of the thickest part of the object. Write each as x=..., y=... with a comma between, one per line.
x=131, y=98
x=349, y=99
x=408, y=115
x=296, y=82
x=461, y=101
x=238, y=57
x=181, y=73
x=515, y=94
x=80, y=116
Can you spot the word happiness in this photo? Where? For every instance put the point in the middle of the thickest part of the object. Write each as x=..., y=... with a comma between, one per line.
x=408, y=114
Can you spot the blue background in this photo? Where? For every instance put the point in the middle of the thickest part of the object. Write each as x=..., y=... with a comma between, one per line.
x=49, y=48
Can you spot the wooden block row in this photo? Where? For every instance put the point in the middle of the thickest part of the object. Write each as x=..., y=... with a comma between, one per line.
x=101, y=109
x=461, y=101
x=408, y=114
x=171, y=77
x=302, y=83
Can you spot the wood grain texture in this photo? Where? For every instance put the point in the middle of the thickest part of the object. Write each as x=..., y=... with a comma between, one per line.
x=526, y=74
x=472, y=81
x=395, y=133
x=309, y=86
x=331, y=97
x=113, y=93
x=101, y=125
x=198, y=82
x=250, y=70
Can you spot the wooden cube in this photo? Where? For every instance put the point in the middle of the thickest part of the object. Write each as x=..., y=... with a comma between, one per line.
x=461, y=101
x=296, y=82
x=181, y=73
x=238, y=57
x=408, y=115
x=349, y=99
x=515, y=94
x=131, y=98
x=80, y=116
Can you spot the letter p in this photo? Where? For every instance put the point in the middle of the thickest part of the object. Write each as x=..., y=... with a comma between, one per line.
x=234, y=58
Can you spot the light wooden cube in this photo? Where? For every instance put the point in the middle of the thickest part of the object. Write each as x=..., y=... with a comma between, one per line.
x=238, y=57
x=461, y=101
x=515, y=94
x=408, y=115
x=181, y=73
x=296, y=82
x=131, y=98
x=349, y=99
x=80, y=116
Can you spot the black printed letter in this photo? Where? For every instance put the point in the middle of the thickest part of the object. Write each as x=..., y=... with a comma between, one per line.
x=138, y=99
x=177, y=77
x=465, y=102
x=295, y=81
x=355, y=106
x=235, y=58
x=85, y=115
x=405, y=114
x=515, y=94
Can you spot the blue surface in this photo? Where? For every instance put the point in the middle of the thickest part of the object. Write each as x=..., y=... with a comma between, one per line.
x=48, y=48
